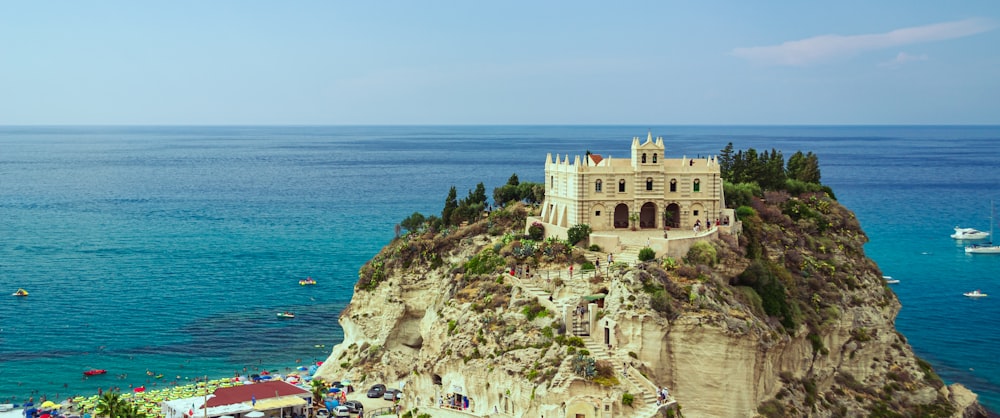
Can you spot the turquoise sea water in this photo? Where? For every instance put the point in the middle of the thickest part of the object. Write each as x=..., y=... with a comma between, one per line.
x=170, y=249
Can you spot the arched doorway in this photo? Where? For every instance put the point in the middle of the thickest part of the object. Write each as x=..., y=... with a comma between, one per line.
x=647, y=215
x=621, y=216
x=673, y=215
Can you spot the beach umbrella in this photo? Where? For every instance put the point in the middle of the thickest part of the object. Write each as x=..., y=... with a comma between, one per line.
x=49, y=404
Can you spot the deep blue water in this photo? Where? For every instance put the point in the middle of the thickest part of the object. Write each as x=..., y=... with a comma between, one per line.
x=170, y=249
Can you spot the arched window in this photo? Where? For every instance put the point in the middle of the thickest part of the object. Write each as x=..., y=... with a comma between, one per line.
x=644, y=158
x=673, y=185
x=621, y=185
x=649, y=183
x=597, y=186
x=654, y=158
x=697, y=185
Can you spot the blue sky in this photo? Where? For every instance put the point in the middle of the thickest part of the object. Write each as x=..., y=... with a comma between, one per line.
x=512, y=62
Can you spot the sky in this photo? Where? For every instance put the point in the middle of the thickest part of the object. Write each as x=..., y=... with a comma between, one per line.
x=428, y=62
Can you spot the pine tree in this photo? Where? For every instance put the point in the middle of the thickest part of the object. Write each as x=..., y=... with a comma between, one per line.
x=450, y=204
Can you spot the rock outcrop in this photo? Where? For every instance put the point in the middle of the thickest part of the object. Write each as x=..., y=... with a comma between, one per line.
x=789, y=318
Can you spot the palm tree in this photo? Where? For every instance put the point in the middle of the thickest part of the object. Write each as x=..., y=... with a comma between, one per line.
x=112, y=405
x=318, y=387
x=109, y=405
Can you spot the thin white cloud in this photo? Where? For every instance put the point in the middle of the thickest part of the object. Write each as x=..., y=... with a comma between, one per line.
x=903, y=58
x=825, y=47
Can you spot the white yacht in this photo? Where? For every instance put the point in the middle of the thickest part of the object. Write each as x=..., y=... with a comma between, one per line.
x=969, y=234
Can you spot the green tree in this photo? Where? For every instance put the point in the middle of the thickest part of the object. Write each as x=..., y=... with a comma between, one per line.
x=535, y=193
x=478, y=196
x=512, y=181
x=111, y=405
x=726, y=162
x=505, y=194
x=413, y=222
x=578, y=233
x=804, y=167
x=318, y=388
x=772, y=176
x=450, y=204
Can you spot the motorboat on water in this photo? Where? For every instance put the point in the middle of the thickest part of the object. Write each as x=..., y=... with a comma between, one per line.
x=20, y=292
x=308, y=281
x=94, y=372
x=286, y=315
x=975, y=294
x=890, y=280
x=969, y=234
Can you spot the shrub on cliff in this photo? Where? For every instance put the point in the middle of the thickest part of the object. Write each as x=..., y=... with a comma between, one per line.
x=413, y=222
x=485, y=262
x=536, y=231
x=646, y=254
x=702, y=252
x=661, y=302
x=578, y=233
x=767, y=280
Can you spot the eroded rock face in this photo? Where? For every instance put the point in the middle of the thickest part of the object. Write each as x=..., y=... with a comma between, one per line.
x=438, y=328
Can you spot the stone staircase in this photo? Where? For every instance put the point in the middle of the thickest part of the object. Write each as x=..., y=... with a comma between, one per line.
x=579, y=327
x=645, y=400
x=629, y=254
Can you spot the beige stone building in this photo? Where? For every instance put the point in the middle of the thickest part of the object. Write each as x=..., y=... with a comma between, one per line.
x=646, y=191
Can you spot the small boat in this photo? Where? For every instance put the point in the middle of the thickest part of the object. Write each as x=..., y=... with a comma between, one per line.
x=989, y=247
x=308, y=281
x=20, y=292
x=975, y=294
x=94, y=372
x=286, y=315
x=890, y=280
x=969, y=234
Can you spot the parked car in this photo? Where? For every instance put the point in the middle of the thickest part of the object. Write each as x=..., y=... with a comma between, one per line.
x=342, y=411
x=355, y=406
x=322, y=413
x=392, y=395
x=376, y=391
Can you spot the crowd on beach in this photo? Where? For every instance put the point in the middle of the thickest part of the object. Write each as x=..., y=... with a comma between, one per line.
x=150, y=393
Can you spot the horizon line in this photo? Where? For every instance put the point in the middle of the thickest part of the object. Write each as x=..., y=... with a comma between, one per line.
x=512, y=125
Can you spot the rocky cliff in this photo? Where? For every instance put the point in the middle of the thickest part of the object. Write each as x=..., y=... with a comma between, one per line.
x=786, y=318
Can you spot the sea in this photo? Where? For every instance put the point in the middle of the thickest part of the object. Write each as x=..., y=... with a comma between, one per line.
x=163, y=253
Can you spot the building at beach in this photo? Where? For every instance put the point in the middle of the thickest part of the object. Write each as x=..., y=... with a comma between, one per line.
x=645, y=191
x=273, y=398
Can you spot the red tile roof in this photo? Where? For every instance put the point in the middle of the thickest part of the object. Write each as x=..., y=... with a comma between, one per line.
x=596, y=158
x=244, y=393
